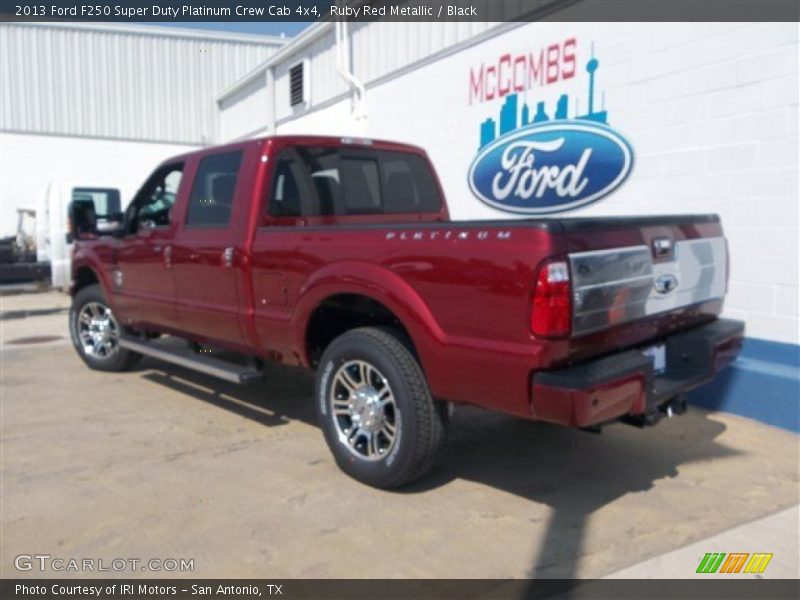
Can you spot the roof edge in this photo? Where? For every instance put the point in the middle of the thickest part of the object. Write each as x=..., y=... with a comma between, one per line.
x=295, y=44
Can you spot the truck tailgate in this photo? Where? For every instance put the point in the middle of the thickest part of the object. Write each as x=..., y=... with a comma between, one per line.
x=654, y=267
x=638, y=278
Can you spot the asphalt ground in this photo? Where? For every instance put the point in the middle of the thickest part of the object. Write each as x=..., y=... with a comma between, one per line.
x=162, y=462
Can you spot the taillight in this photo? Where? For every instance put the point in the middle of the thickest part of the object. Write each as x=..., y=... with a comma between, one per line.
x=551, y=313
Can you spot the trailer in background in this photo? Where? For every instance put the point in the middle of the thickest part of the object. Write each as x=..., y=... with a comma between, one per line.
x=19, y=265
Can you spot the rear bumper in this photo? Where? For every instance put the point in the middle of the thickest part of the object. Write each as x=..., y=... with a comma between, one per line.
x=625, y=384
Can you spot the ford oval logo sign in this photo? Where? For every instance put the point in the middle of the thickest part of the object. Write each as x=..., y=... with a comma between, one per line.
x=551, y=167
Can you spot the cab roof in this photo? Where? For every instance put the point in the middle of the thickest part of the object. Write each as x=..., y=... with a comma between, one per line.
x=305, y=140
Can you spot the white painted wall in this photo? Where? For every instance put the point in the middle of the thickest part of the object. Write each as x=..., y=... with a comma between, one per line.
x=378, y=49
x=711, y=110
x=244, y=112
x=331, y=120
x=29, y=162
x=73, y=95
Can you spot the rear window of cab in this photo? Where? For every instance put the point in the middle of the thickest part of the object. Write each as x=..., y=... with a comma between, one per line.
x=311, y=181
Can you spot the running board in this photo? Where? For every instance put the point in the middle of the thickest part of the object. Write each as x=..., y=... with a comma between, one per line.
x=190, y=360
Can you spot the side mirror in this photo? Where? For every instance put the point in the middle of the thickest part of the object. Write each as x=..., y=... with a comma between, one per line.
x=83, y=220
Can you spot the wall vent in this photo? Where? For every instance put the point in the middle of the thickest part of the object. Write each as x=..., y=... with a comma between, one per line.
x=296, y=85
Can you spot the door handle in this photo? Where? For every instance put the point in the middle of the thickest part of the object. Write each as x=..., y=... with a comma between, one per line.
x=168, y=256
x=227, y=257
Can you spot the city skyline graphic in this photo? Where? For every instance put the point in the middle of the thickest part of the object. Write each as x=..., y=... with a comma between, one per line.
x=512, y=118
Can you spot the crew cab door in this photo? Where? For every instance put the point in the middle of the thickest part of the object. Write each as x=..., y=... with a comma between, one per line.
x=207, y=254
x=142, y=278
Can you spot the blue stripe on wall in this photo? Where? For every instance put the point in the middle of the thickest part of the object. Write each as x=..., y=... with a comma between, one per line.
x=762, y=384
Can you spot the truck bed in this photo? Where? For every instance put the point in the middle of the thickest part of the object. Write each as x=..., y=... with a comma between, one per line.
x=463, y=289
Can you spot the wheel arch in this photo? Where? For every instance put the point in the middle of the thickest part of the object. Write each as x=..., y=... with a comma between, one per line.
x=88, y=268
x=339, y=313
x=84, y=276
x=351, y=294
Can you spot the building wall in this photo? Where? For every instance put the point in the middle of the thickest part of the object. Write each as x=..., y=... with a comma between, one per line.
x=322, y=76
x=709, y=108
x=112, y=81
x=110, y=100
x=377, y=50
x=243, y=112
x=382, y=48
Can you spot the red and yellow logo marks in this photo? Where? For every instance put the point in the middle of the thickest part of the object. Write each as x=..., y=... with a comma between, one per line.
x=734, y=562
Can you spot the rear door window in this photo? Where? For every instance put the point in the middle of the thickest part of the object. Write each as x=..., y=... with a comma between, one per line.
x=211, y=200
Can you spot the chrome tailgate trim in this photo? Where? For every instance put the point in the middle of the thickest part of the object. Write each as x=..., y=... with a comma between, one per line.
x=620, y=285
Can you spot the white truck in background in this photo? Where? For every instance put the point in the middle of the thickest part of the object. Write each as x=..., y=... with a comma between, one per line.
x=53, y=237
x=41, y=253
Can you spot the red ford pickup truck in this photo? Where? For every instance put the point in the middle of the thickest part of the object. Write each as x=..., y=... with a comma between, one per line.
x=339, y=255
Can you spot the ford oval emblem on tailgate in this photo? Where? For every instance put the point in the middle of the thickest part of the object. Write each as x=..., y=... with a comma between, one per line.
x=666, y=283
x=551, y=167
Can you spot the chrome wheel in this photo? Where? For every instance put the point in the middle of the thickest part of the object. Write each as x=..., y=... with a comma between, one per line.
x=97, y=331
x=364, y=410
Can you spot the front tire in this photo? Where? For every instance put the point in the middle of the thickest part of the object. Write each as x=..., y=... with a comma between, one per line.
x=95, y=332
x=375, y=409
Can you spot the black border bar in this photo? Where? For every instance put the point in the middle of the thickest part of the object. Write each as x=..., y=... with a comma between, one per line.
x=133, y=11
x=396, y=589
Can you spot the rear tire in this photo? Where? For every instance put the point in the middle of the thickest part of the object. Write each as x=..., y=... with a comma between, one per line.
x=95, y=332
x=376, y=411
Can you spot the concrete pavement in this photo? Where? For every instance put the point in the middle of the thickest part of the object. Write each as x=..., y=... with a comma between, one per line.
x=161, y=462
x=772, y=534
